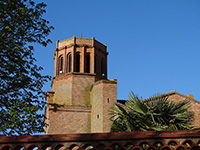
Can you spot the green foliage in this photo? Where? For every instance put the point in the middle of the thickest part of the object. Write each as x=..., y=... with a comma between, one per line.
x=156, y=113
x=21, y=82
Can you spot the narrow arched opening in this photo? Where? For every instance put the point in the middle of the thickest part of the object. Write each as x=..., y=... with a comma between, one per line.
x=95, y=64
x=102, y=68
x=88, y=63
x=77, y=64
x=61, y=64
x=69, y=62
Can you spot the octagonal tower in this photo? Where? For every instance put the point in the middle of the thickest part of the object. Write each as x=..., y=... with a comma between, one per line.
x=80, y=87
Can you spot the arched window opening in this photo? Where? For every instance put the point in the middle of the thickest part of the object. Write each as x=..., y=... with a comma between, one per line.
x=61, y=64
x=69, y=60
x=88, y=63
x=95, y=64
x=77, y=62
x=102, y=67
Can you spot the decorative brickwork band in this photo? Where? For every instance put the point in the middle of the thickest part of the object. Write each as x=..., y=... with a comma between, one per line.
x=150, y=140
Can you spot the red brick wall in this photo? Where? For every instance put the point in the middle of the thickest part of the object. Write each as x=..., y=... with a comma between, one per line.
x=109, y=100
x=62, y=87
x=104, y=95
x=72, y=89
x=80, y=89
x=69, y=119
x=97, y=108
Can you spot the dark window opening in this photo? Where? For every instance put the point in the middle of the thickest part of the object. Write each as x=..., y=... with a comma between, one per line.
x=69, y=62
x=102, y=67
x=97, y=116
x=61, y=65
x=88, y=63
x=77, y=62
x=95, y=64
x=108, y=100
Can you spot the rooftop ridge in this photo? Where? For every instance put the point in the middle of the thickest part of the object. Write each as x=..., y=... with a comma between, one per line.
x=171, y=93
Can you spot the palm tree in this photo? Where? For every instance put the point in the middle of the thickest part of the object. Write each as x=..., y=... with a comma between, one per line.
x=157, y=113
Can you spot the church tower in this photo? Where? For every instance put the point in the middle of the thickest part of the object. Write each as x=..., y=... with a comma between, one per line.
x=81, y=94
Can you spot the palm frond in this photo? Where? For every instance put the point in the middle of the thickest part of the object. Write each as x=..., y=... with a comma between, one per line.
x=157, y=113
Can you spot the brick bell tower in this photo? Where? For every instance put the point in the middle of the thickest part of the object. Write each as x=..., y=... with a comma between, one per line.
x=81, y=94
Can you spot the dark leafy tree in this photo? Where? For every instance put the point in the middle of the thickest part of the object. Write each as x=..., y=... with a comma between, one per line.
x=21, y=81
x=157, y=113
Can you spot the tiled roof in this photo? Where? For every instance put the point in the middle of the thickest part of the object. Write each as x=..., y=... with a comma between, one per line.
x=164, y=95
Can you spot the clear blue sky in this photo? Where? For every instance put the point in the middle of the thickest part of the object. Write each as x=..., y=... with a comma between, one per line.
x=153, y=45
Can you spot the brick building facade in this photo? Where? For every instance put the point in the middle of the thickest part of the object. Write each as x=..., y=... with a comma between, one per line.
x=81, y=94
